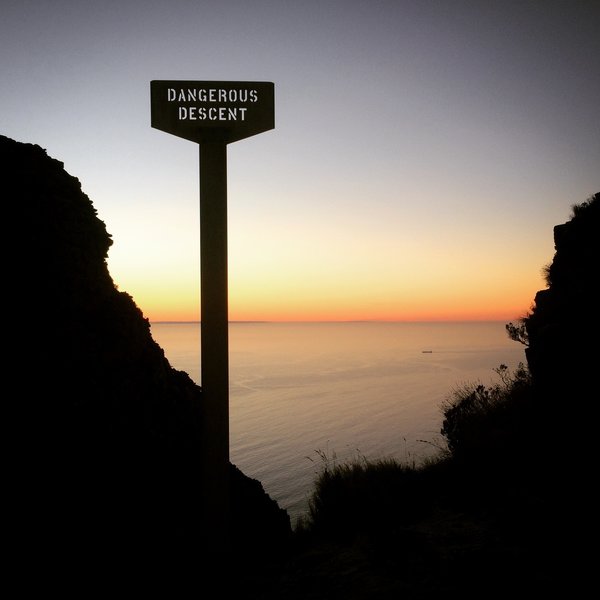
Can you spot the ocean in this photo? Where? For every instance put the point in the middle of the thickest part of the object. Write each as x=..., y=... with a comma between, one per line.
x=302, y=393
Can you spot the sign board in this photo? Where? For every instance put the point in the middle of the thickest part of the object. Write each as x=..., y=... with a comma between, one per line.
x=213, y=114
x=212, y=111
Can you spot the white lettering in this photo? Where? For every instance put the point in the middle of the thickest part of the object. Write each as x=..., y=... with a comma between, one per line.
x=221, y=113
x=212, y=95
x=195, y=102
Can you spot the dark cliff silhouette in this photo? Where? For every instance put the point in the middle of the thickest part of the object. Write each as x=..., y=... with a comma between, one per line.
x=563, y=326
x=106, y=433
x=561, y=332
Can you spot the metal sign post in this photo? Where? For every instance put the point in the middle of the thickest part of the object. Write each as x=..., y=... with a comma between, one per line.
x=213, y=114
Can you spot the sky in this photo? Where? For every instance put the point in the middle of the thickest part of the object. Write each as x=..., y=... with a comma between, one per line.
x=422, y=151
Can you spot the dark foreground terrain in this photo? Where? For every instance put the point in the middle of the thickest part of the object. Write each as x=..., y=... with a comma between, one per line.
x=104, y=441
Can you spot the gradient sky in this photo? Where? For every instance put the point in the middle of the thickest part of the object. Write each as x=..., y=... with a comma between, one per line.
x=422, y=154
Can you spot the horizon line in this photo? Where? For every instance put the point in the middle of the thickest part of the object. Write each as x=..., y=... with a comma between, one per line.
x=177, y=321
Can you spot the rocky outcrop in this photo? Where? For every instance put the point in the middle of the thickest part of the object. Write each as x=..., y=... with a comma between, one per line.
x=105, y=432
x=563, y=326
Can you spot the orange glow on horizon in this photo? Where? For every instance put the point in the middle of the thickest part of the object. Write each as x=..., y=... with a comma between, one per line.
x=288, y=314
x=285, y=300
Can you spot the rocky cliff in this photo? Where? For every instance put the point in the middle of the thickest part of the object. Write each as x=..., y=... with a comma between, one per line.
x=105, y=432
x=563, y=326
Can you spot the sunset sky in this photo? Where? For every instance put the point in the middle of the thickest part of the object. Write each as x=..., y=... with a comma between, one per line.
x=422, y=150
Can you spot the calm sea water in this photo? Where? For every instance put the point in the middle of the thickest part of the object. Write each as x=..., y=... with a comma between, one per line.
x=343, y=389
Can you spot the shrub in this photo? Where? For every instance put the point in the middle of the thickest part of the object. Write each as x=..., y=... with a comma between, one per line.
x=480, y=420
x=363, y=496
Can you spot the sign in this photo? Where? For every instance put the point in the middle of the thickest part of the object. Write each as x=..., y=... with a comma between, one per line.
x=213, y=114
x=212, y=111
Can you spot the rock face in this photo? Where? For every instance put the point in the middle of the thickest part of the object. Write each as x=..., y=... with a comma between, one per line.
x=564, y=325
x=106, y=431
x=563, y=330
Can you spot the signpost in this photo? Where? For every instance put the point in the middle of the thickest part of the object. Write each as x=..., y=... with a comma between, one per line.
x=213, y=114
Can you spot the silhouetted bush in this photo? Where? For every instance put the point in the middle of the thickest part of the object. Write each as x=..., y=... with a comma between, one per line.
x=480, y=420
x=518, y=332
x=362, y=496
